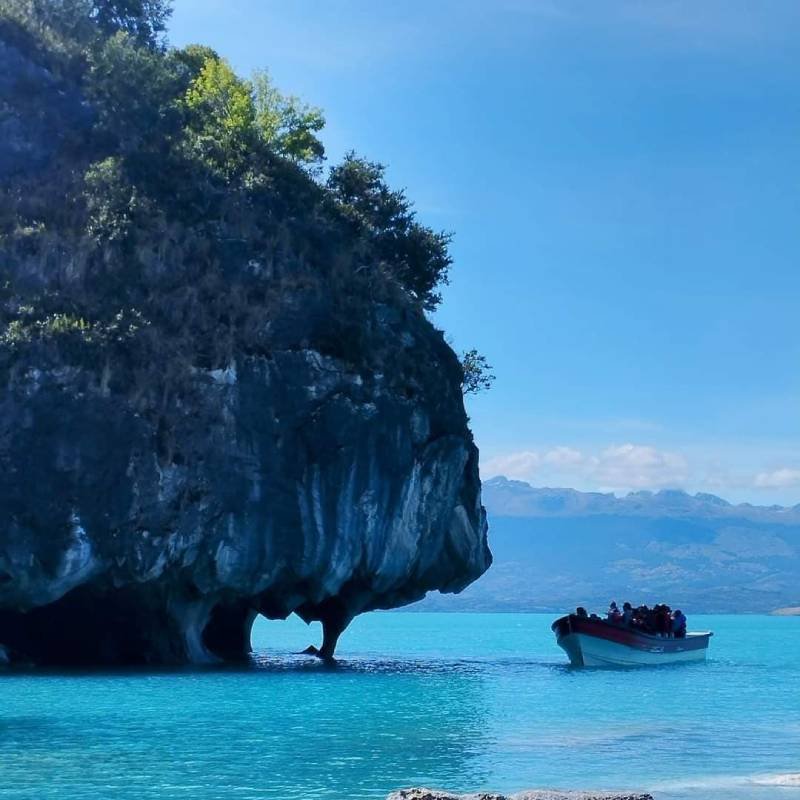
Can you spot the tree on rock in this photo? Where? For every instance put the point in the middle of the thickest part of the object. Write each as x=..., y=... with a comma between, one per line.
x=288, y=125
x=478, y=375
x=143, y=20
x=414, y=255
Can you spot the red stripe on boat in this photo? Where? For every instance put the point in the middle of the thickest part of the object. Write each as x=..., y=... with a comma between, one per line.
x=632, y=638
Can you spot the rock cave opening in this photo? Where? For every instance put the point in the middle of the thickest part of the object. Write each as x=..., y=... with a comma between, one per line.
x=86, y=627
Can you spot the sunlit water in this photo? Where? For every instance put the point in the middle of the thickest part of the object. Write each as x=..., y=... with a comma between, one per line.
x=461, y=701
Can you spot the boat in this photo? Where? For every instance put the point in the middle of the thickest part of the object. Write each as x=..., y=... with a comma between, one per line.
x=594, y=642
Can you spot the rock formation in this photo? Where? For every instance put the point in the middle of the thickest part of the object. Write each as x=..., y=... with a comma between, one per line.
x=269, y=425
x=289, y=484
x=540, y=794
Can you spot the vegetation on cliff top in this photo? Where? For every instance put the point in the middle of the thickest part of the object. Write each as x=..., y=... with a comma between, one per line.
x=160, y=204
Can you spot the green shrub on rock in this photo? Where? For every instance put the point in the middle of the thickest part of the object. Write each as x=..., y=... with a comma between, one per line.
x=178, y=188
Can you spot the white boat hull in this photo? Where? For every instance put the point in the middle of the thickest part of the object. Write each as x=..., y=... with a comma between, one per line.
x=592, y=642
x=591, y=651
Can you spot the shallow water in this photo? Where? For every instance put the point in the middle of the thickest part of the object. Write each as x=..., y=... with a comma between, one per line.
x=462, y=701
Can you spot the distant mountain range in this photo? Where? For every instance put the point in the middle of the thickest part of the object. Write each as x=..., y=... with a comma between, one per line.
x=558, y=548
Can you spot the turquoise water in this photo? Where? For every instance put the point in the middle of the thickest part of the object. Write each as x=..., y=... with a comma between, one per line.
x=461, y=701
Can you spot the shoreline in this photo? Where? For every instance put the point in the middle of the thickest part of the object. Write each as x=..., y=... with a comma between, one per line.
x=789, y=611
x=419, y=793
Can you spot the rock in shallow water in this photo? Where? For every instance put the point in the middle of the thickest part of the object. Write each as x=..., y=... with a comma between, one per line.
x=286, y=483
x=538, y=794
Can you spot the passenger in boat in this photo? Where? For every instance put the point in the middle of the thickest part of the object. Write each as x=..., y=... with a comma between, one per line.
x=642, y=619
x=668, y=620
x=662, y=620
x=580, y=611
x=678, y=624
x=614, y=614
x=627, y=613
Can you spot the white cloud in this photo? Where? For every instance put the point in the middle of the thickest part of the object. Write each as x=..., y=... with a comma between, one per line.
x=784, y=478
x=631, y=466
x=563, y=457
x=616, y=468
x=621, y=468
x=526, y=464
x=523, y=465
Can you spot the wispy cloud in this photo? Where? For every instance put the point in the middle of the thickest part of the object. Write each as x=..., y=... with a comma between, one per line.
x=633, y=466
x=639, y=467
x=614, y=468
x=784, y=478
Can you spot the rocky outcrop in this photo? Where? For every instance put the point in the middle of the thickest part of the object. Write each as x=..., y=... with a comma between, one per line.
x=540, y=794
x=219, y=393
x=283, y=483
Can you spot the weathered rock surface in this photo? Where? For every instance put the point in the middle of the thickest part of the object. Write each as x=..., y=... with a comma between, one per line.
x=538, y=794
x=286, y=483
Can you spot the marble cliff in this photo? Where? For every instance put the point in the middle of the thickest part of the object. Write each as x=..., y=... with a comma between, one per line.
x=292, y=484
x=207, y=414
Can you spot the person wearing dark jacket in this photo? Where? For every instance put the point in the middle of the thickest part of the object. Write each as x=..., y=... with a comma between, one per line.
x=627, y=613
x=678, y=624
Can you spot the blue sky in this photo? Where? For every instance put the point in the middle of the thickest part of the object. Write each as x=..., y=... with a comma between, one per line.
x=623, y=181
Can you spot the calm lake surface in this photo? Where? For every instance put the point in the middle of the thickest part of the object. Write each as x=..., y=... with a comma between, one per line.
x=459, y=701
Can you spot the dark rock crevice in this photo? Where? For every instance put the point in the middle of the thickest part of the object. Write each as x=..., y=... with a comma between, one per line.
x=87, y=627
